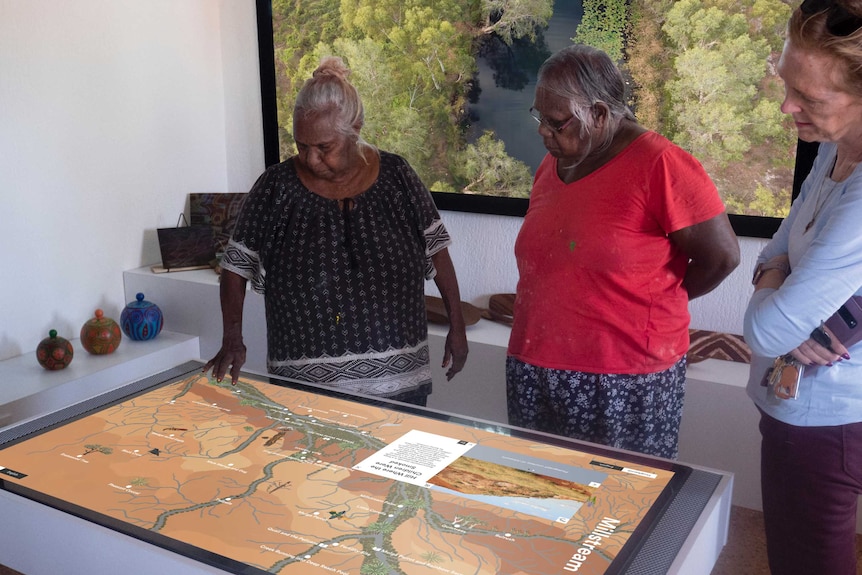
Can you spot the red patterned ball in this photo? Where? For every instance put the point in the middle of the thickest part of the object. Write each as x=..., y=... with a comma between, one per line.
x=54, y=352
x=101, y=335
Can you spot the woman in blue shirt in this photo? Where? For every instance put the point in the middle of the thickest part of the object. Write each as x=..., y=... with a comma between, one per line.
x=811, y=453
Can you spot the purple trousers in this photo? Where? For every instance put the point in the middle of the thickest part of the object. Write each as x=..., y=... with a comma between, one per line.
x=811, y=478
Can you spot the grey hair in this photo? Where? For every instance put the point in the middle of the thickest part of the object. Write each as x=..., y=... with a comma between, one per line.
x=329, y=90
x=585, y=76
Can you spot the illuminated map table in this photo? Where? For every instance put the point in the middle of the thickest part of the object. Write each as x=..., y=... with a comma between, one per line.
x=178, y=473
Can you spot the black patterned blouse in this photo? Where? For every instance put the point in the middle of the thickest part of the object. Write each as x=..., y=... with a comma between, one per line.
x=343, y=285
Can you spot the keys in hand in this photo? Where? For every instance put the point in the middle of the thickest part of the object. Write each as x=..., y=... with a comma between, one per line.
x=783, y=377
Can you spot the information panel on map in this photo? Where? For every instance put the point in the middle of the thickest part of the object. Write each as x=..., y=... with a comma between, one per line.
x=267, y=478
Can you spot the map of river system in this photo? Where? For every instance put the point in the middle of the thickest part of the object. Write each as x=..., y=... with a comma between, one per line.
x=292, y=481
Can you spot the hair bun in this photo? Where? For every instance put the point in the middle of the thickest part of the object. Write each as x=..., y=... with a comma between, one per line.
x=332, y=66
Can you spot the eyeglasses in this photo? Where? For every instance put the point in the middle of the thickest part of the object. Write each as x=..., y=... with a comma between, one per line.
x=839, y=22
x=550, y=124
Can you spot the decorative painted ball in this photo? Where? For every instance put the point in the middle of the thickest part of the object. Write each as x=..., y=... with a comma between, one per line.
x=141, y=319
x=101, y=335
x=54, y=352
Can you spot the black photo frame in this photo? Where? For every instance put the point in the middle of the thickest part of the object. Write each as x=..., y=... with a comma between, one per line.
x=743, y=225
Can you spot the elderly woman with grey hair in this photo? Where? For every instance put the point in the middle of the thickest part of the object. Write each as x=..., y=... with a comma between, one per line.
x=340, y=239
x=622, y=230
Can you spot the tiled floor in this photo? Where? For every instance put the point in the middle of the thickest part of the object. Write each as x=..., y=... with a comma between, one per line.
x=745, y=552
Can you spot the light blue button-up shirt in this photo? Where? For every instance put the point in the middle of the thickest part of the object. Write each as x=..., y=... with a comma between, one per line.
x=826, y=264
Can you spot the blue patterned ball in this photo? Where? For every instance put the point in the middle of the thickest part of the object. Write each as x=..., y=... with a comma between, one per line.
x=141, y=320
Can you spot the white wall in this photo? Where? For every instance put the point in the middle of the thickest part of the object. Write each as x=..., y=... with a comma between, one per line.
x=483, y=248
x=113, y=111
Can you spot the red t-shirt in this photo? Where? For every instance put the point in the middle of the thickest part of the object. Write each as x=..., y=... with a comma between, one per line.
x=600, y=286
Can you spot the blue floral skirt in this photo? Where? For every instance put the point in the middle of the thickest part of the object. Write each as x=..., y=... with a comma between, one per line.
x=639, y=412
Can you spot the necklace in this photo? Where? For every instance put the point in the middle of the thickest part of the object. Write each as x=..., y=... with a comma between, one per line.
x=821, y=197
x=821, y=201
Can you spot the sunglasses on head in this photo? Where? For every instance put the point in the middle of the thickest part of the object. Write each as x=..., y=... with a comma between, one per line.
x=839, y=22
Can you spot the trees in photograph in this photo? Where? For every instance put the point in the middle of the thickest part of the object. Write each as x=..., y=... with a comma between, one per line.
x=413, y=62
x=702, y=73
x=704, y=76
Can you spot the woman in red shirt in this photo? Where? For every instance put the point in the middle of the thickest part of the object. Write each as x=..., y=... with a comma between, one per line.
x=623, y=229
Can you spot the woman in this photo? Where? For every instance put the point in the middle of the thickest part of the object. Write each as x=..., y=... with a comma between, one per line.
x=622, y=230
x=340, y=238
x=811, y=451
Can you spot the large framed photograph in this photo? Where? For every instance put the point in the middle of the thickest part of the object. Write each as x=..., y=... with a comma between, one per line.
x=448, y=85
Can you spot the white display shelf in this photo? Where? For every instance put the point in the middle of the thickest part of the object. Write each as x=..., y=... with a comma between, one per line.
x=28, y=391
x=485, y=331
x=190, y=303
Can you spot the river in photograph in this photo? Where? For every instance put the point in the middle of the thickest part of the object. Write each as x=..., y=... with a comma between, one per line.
x=505, y=110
